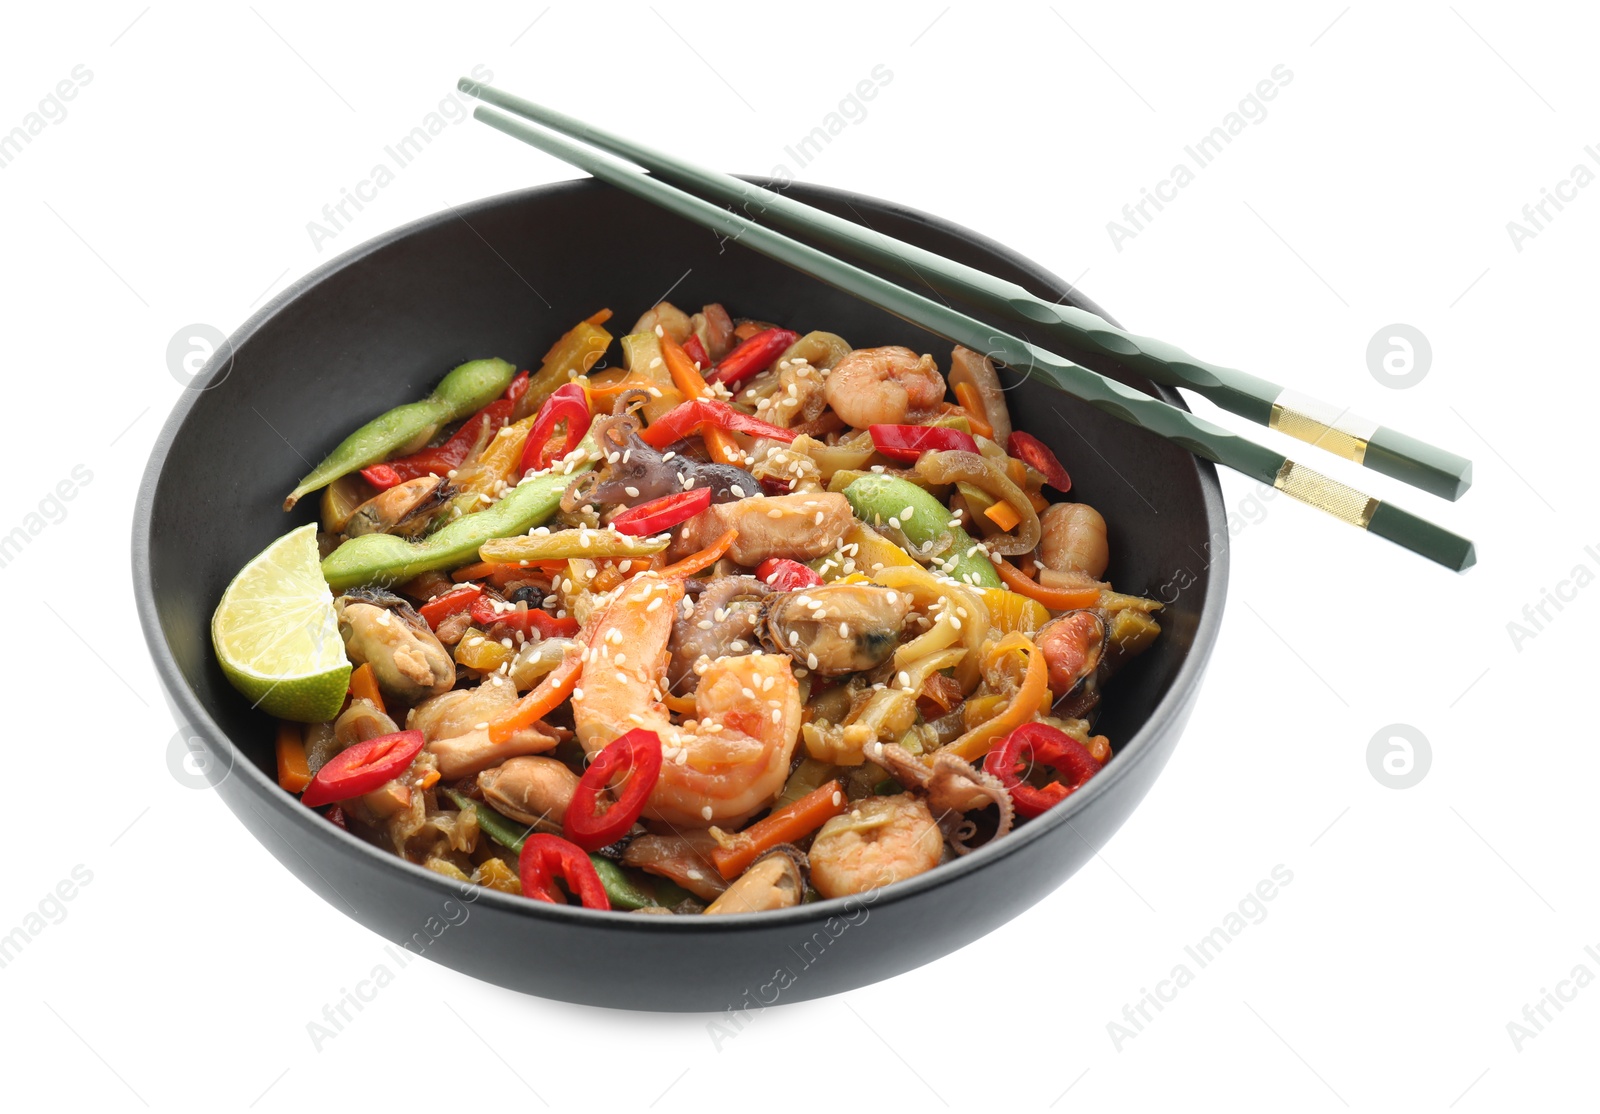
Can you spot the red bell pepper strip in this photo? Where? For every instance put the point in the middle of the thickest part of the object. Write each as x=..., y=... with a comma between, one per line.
x=440, y=608
x=381, y=476
x=1037, y=455
x=754, y=355
x=362, y=768
x=635, y=758
x=528, y=620
x=545, y=858
x=907, y=442
x=568, y=404
x=660, y=515
x=785, y=575
x=1035, y=744
x=441, y=459
x=692, y=416
x=696, y=352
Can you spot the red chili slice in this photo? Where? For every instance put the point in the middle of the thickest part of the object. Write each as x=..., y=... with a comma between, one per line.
x=696, y=351
x=440, y=608
x=381, y=476
x=1037, y=455
x=362, y=768
x=568, y=404
x=660, y=515
x=545, y=858
x=1040, y=744
x=691, y=417
x=786, y=575
x=636, y=759
x=907, y=442
x=754, y=355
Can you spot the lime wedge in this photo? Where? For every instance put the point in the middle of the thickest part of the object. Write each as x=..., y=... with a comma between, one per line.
x=276, y=635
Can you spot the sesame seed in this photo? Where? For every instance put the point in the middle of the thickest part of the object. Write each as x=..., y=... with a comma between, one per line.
x=705, y=810
x=794, y=638
x=622, y=678
x=577, y=694
x=844, y=630
x=811, y=661
x=484, y=726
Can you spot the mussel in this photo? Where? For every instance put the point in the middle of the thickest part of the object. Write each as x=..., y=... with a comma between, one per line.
x=383, y=630
x=836, y=628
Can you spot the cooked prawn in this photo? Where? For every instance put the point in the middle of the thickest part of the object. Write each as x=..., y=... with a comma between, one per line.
x=884, y=386
x=732, y=758
x=879, y=841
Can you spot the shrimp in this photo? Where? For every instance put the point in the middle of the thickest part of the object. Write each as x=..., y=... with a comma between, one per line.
x=879, y=841
x=884, y=386
x=723, y=765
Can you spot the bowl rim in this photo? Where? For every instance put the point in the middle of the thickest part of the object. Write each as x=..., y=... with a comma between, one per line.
x=265, y=789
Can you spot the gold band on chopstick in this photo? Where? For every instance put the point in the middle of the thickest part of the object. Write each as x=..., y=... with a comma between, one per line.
x=1343, y=502
x=1314, y=422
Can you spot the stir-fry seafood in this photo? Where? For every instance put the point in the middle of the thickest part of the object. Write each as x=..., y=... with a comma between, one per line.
x=748, y=619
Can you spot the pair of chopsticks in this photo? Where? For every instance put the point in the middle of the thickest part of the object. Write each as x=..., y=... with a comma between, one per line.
x=1084, y=334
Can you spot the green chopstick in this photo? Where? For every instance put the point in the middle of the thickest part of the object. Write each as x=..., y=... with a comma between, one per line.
x=1204, y=439
x=1076, y=332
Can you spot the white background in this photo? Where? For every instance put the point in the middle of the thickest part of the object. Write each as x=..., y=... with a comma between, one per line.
x=1376, y=191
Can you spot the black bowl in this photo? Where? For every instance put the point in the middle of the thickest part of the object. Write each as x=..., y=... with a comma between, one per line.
x=503, y=277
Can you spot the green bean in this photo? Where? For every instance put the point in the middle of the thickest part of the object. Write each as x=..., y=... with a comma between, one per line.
x=877, y=500
x=562, y=545
x=385, y=559
x=467, y=389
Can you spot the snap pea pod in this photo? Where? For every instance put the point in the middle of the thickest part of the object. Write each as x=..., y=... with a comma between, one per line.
x=878, y=499
x=467, y=389
x=565, y=545
x=506, y=831
x=385, y=559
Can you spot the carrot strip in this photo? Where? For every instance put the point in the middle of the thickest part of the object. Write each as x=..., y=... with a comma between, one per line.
x=599, y=318
x=1021, y=709
x=719, y=442
x=967, y=395
x=545, y=698
x=294, y=772
x=483, y=570
x=364, y=686
x=707, y=557
x=784, y=825
x=430, y=778
x=1003, y=515
x=1056, y=599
